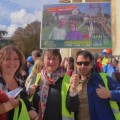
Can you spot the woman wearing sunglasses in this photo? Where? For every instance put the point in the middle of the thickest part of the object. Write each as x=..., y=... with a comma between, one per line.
x=95, y=90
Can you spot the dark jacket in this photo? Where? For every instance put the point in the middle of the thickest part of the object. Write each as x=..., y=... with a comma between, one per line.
x=116, y=76
x=53, y=107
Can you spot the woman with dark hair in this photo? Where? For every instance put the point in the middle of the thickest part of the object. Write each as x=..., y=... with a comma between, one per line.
x=69, y=65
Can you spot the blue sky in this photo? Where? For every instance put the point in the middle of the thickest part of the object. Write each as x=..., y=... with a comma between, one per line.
x=18, y=13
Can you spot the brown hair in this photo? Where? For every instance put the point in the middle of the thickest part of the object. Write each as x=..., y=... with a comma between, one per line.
x=71, y=63
x=54, y=52
x=85, y=54
x=36, y=53
x=6, y=51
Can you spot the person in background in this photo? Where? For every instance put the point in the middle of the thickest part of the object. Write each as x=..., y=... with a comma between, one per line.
x=11, y=62
x=59, y=32
x=30, y=81
x=62, y=64
x=69, y=65
x=30, y=63
x=99, y=94
x=97, y=65
x=116, y=74
x=57, y=100
x=74, y=34
x=109, y=52
x=111, y=66
x=105, y=59
x=35, y=55
x=23, y=73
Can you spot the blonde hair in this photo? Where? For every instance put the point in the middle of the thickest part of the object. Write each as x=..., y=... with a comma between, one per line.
x=36, y=69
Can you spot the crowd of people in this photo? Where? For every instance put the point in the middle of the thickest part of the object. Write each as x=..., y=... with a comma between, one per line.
x=86, y=87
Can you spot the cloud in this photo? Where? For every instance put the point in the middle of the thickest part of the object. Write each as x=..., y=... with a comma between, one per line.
x=19, y=13
x=11, y=29
x=22, y=17
x=34, y=4
x=2, y=27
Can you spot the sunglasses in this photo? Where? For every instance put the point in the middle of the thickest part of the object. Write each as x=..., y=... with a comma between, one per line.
x=85, y=63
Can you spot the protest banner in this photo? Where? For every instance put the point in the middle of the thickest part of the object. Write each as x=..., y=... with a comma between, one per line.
x=75, y=25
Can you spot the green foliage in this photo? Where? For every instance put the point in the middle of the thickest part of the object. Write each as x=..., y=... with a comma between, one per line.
x=47, y=19
x=28, y=39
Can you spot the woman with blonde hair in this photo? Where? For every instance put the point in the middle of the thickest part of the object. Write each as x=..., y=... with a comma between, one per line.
x=32, y=77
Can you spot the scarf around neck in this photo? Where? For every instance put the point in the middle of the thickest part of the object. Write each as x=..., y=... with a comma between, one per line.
x=48, y=79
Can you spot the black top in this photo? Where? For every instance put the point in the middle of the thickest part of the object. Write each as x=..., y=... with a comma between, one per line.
x=53, y=107
x=116, y=76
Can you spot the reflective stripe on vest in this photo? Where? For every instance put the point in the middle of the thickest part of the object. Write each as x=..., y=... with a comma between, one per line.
x=65, y=86
x=113, y=104
x=36, y=82
x=23, y=113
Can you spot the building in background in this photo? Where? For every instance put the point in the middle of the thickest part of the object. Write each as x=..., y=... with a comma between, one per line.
x=5, y=41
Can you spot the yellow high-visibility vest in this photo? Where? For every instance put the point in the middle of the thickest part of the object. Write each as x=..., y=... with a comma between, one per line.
x=36, y=82
x=23, y=113
x=114, y=106
x=64, y=89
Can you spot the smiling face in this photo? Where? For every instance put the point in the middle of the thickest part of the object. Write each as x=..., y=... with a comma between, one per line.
x=62, y=22
x=51, y=63
x=11, y=63
x=52, y=60
x=12, y=60
x=72, y=27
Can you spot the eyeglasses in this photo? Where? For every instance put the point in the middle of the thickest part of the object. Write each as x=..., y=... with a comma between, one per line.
x=85, y=63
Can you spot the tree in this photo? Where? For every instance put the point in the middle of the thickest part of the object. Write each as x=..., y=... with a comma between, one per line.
x=28, y=39
x=47, y=19
x=2, y=33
